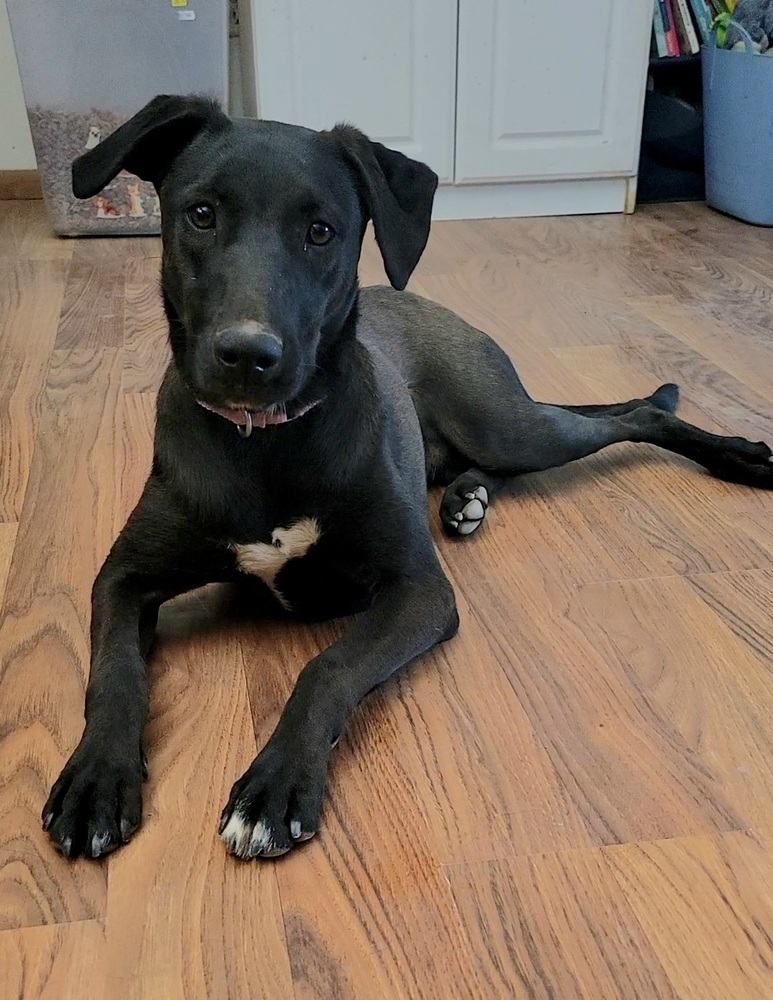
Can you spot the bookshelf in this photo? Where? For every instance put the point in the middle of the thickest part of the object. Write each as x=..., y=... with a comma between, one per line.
x=675, y=62
x=671, y=162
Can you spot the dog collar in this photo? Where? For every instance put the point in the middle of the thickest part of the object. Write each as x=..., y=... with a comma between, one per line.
x=245, y=419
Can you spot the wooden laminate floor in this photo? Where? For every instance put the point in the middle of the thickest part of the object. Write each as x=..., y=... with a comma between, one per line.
x=573, y=799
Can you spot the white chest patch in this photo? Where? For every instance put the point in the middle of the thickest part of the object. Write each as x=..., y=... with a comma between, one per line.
x=266, y=559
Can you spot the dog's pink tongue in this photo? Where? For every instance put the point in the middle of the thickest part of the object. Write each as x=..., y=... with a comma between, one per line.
x=239, y=417
x=235, y=416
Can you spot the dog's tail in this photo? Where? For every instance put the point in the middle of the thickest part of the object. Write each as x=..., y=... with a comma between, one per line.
x=666, y=397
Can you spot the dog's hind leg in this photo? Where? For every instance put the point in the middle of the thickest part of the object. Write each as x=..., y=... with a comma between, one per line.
x=545, y=436
x=466, y=499
x=541, y=437
x=665, y=398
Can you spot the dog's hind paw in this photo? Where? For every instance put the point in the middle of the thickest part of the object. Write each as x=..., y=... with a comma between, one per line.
x=749, y=463
x=464, y=507
x=666, y=397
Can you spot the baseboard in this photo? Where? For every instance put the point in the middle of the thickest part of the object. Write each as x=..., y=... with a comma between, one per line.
x=532, y=198
x=463, y=201
x=20, y=185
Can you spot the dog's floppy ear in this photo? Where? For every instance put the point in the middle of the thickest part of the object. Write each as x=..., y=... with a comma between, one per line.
x=147, y=144
x=398, y=194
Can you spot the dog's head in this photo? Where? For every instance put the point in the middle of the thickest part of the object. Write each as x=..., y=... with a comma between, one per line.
x=262, y=227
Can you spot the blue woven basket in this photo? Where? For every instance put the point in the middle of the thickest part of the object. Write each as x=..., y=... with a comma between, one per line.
x=738, y=131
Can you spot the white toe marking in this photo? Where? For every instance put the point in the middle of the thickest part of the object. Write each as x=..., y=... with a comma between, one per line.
x=266, y=559
x=306, y=834
x=262, y=840
x=237, y=833
x=467, y=527
x=98, y=844
x=473, y=511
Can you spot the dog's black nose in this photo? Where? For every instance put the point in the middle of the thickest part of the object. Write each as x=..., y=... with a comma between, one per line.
x=249, y=347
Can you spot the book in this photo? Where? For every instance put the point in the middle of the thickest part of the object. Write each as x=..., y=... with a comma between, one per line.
x=688, y=40
x=659, y=31
x=703, y=15
x=672, y=39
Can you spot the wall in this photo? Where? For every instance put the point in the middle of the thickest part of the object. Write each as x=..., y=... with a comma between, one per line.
x=16, y=152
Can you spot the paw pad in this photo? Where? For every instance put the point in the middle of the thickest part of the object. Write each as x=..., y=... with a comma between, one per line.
x=471, y=515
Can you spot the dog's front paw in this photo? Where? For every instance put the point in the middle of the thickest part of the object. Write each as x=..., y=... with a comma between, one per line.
x=276, y=804
x=96, y=802
x=464, y=506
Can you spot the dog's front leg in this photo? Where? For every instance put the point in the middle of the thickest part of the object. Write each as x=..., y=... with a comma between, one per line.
x=278, y=801
x=96, y=803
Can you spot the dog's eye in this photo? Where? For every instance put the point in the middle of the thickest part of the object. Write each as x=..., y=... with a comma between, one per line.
x=319, y=234
x=202, y=216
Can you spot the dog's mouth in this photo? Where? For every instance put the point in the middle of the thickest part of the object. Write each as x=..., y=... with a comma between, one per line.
x=247, y=417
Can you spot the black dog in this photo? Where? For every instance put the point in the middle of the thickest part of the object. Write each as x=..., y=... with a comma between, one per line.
x=298, y=426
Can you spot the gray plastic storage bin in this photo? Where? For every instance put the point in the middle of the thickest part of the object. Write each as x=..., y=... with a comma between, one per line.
x=738, y=132
x=88, y=65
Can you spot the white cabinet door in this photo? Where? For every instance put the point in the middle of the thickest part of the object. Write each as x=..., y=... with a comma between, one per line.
x=389, y=68
x=550, y=88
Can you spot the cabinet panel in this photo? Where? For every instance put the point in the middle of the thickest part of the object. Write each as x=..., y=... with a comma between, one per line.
x=389, y=68
x=550, y=89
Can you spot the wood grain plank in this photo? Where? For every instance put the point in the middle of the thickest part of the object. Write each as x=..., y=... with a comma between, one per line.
x=31, y=296
x=39, y=241
x=750, y=511
x=360, y=928
x=742, y=601
x=699, y=226
x=7, y=542
x=706, y=905
x=557, y=926
x=12, y=228
x=697, y=677
x=615, y=255
x=627, y=772
x=53, y=963
x=714, y=340
x=483, y=782
x=65, y=531
x=93, y=307
x=146, y=335
x=103, y=249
